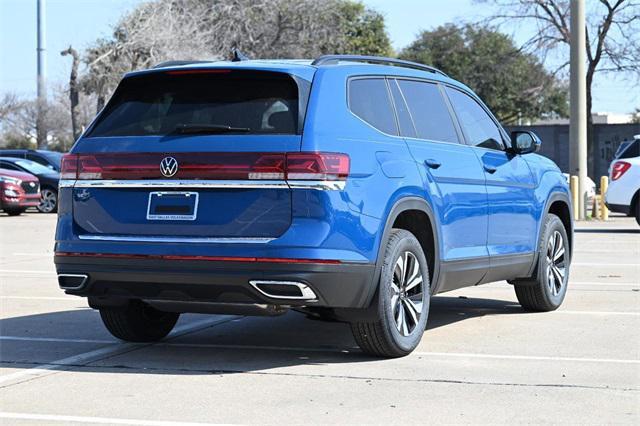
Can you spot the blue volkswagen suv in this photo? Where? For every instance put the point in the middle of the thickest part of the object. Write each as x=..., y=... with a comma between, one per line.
x=352, y=188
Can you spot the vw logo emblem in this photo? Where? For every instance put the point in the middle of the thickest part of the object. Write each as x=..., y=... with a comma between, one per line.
x=168, y=166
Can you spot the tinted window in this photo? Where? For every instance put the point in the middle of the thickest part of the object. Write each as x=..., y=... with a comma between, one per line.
x=404, y=116
x=478, y=126
x=8, y=166
x=11, y=154
x=430, y=113
x=632, y=151
x=38, y=159
x=369, y=100
x=202, y=101
x=54, y=158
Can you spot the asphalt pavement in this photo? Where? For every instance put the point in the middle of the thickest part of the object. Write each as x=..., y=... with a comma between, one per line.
x=482, y=359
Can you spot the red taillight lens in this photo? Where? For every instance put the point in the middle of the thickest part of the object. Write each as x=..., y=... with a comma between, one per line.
x=69, y=166
x=208, y=165
x=619, y=168
x=89, y=167
x=317, y=166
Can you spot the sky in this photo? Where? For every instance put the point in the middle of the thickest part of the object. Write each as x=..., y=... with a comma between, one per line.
x=80, y=22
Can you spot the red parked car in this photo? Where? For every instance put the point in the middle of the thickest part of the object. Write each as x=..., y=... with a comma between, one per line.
x=18, y=191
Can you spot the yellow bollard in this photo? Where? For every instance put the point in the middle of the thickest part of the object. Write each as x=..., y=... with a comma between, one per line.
x=604, y=184
x=573, y=185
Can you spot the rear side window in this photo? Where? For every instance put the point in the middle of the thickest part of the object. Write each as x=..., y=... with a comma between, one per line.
x=404, y=116
x=632, y=151
x=369, y=100
x=478, y=126
x=429, y=112
x=202, y=102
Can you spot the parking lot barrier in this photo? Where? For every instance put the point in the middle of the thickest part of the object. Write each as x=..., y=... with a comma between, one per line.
x=604, y=211
x=573, y=185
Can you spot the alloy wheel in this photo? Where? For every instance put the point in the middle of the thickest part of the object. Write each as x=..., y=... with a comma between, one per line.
x=556, y=263
x=406, y=297
x=48, y=202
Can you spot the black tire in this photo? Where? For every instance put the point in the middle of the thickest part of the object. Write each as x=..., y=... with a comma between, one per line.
x=386, y=336
x=14, y=211
x=546, y=290
x=49, y=201
x=138, y=322
x=637, y=210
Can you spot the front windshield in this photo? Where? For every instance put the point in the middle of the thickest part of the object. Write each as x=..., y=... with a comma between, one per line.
x=33, y=167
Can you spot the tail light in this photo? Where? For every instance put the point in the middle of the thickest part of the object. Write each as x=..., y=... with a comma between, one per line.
x=215, y=166
x=317, y=166
x=69, y=166
x=619, y=168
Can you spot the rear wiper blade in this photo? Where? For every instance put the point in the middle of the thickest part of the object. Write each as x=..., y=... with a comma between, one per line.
x=208, y=129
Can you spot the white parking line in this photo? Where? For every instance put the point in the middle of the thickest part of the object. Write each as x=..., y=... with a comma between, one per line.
x=624, y=313
x=529, y=357
x=99, y=420
x=25, y=271
x=86, y=357
x=605, y=264
x=347, y=350
x=68, y=298
x=55, y=339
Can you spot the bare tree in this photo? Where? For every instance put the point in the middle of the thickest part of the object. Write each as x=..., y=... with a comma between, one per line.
x=74, y=91
x=9, y=104
x=202, y=29
x=613, y=36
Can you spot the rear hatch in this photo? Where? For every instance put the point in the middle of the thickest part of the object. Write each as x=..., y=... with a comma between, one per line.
x=196, y=153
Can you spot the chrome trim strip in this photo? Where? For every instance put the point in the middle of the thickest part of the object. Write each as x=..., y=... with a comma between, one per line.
x=84, y=281
x=305, y=290
x=323, y=185
x=180, y=184
x=189, y=240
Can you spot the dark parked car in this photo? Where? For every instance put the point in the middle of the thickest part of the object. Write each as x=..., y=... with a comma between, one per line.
x=48, y=180
x=50, y=159
x=18, y=191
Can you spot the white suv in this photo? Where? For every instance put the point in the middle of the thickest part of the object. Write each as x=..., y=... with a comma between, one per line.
x=623, y=195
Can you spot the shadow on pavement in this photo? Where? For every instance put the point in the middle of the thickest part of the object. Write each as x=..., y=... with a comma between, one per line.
x=238, y=345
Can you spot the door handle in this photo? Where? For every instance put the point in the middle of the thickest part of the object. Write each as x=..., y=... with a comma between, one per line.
x=433, y=164
x=489, y=169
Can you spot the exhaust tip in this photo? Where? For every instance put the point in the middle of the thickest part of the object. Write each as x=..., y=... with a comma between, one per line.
x=291, y=290
x=72, y=281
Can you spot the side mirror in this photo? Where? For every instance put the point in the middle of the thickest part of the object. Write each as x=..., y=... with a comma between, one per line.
x=524, y=142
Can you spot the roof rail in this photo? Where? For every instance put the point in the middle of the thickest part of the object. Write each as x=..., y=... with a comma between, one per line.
x=177, y=63
x=334, y=59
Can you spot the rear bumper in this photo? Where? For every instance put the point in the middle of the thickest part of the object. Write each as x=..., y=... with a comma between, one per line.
x=618, y=208
x=340, y=285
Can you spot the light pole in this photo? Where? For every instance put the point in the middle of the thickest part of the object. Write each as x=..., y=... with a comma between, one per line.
x=41, y=131
x=578, y=101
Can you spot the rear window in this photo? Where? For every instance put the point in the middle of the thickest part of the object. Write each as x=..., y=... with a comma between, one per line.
x=631, y=151
x=202, y=102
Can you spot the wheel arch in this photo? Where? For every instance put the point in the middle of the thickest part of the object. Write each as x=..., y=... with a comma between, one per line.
x=558, y=203
x=634, y=200
x=407, y=213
